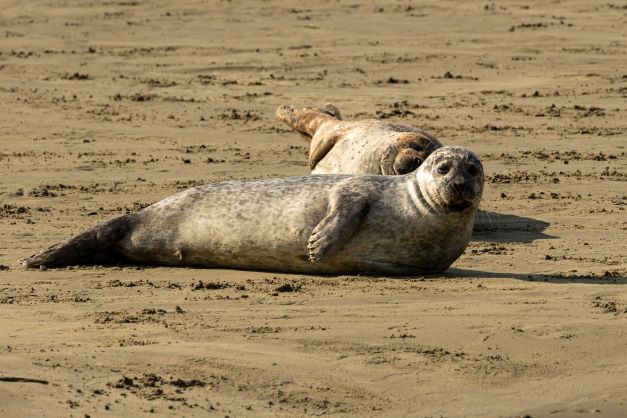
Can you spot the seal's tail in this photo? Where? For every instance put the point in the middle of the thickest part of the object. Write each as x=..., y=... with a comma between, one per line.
x=94, y=246
x=306, y=121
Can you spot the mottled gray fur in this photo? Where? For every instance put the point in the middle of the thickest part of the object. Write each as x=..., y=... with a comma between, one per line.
x=329, y=224
x=367, y=146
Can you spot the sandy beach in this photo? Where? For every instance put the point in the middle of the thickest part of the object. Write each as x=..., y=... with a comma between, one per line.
x=109, y=106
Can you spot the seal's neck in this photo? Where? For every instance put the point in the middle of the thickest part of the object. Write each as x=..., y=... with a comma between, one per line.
x=416, y=195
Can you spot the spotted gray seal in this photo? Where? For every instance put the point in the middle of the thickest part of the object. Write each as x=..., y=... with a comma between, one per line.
x=368, y=146
x=328, y=224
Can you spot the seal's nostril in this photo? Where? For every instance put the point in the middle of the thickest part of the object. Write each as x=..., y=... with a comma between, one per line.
x=473, y=170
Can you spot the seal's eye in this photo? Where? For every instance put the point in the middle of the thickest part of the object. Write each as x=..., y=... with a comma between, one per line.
x=406, y=163
x=443, y=169
x=473, y=170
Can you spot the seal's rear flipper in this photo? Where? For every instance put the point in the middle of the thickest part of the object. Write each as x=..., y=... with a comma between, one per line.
x=306, y=121
x=94, y=246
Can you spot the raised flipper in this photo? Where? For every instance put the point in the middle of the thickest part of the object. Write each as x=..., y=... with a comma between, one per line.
x=94, y=246
x=306, y=121
x=347, y=211
x=320, y=147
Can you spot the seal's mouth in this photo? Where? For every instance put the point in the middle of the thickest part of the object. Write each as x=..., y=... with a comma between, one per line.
x=460, y=198
x=458, y=205
x=455, y=202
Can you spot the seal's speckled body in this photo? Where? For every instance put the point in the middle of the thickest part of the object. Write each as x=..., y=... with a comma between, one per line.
x=358, y=147
x=410, y=224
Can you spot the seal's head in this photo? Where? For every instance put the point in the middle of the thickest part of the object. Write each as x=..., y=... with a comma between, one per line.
x=412, y=148
x=451, y=180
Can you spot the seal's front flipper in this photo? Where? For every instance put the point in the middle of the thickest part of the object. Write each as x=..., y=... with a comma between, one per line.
x=94, y=246
x=306, y=121
x=320, y=147
x=347, y=211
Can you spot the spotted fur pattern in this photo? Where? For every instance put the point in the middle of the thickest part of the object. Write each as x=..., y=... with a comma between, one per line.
x=323, y=224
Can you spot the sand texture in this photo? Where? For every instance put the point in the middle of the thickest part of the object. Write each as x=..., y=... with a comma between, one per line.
x=109, y=106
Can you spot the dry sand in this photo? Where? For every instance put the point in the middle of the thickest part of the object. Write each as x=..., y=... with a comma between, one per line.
x=108, y=106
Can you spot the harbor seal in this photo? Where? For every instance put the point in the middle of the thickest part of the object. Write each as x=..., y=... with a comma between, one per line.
x=417, y=223
x=368, y=146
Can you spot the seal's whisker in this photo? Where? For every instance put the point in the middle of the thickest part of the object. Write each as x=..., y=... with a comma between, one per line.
x=489, y=219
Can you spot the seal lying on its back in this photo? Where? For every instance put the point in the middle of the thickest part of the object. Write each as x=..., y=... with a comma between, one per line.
x=358, y=147
x=412, y=224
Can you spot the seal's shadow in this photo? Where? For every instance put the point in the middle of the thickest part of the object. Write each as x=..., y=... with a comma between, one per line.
x=606, y=278
x=505, y=227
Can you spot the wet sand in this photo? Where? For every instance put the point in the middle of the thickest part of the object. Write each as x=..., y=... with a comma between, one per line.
x=106, y=107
